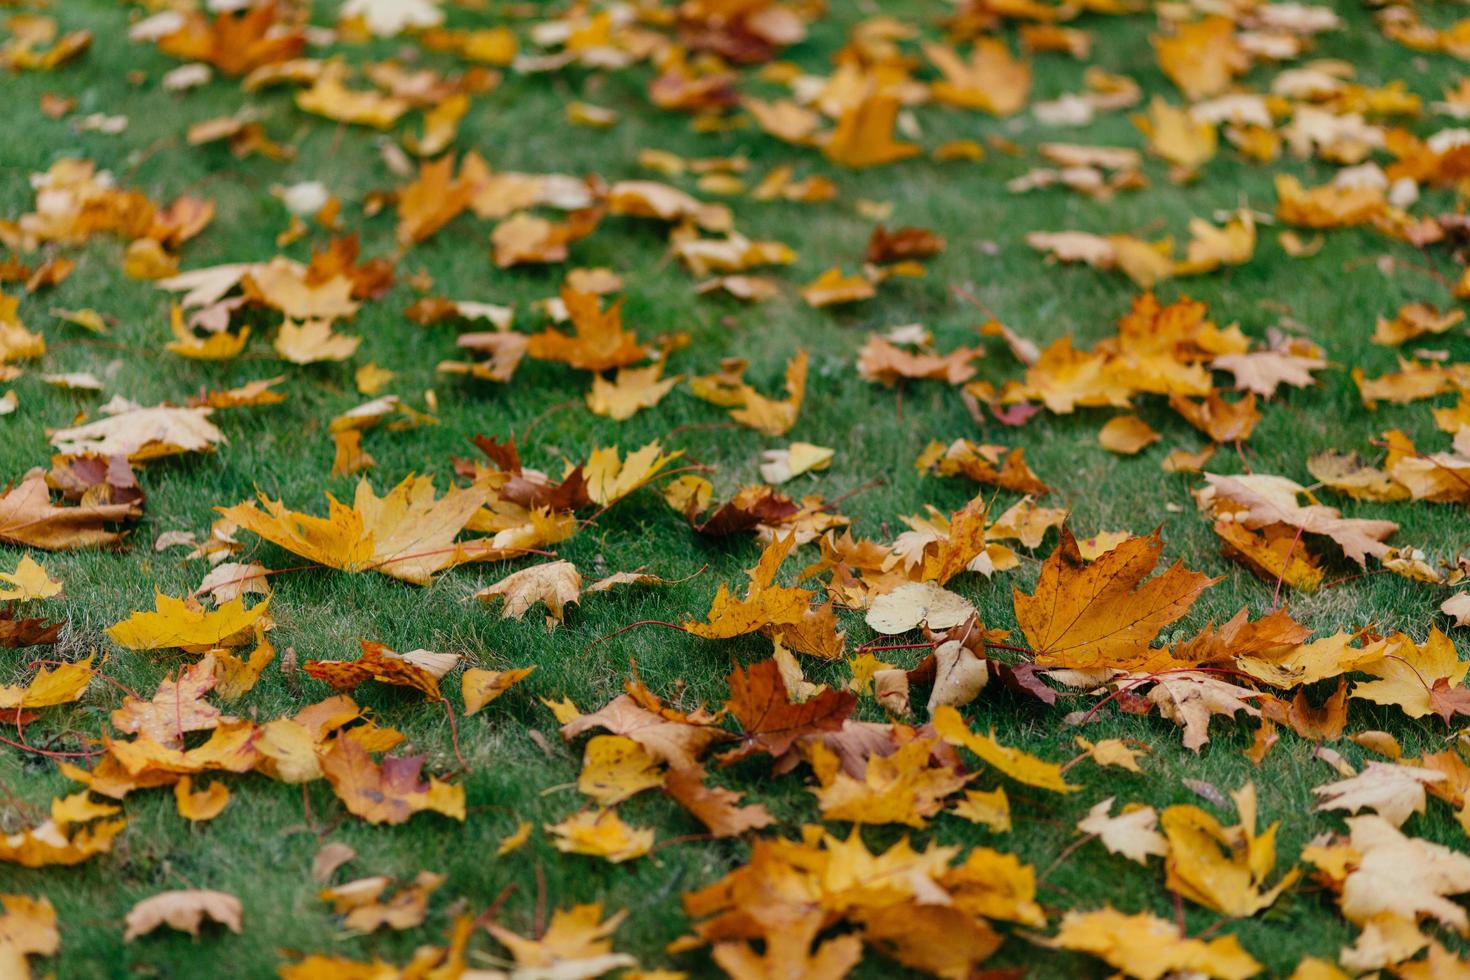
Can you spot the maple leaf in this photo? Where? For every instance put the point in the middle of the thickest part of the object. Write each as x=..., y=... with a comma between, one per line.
x=600, y=833
x=1409, y=672
x=902, y=244
x=27, y=928
x=61, y=685
x=365, y=909
x=1222, y=421
x=992, y=81
x=598, y=342
x=1175, y=136
x=1020, y=766
x=990, y=809
x=1133, y=833
x=390, y=793
x=555, y=583
x=415, y=669
x=938, y=547
x=832, y=288
x=714, y=806
x=1190, y=699
x=29, y=632
x=406, y=534
x=479, y=687
x=1327, y=206
x=142, y=434
x=328, y=96
x=59, y=840
x=1382, y=872
x=176, y=708
x=770, y=721
x=1294, y=665
x=203, y=805
x=1104, y=613
x=1112, y=752
x=749, y=407
x=313, y=342
x=184, y=911
x=677, y=741
x=993, y=465
x=1222, y=868
x=185, y=624
x=16, y=342
x=234, y=44
x=1262, y=372
x=1449, y=700
x=864, y=133
x=575, y=944
x=1127, y=435
x=630, y=391
x=782, y=612
x=615, y=767
x=432, y=200
x=914, y=603
x=885, y=363
x=900, y=788
x=28, y=582
x=1394, y=792
x=1148, y=947
x=935, y=939
x=1203, y=57
x=610, y=479
x=789, y=952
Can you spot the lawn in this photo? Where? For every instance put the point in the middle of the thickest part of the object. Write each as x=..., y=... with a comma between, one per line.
x=261, y=847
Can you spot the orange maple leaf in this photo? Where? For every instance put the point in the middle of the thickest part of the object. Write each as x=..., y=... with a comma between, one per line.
x=1104, y=614
x=598, y=342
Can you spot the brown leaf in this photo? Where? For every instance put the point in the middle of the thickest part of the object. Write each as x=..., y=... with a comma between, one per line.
x=770, y=721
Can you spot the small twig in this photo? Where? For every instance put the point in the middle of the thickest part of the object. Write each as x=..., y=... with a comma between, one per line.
x=538, y=924
x=681, y=839
x=558, y=407
x=1067, y=852
x=641, y=622
x=454, y=734
x=1285, y=567
x=49, y=753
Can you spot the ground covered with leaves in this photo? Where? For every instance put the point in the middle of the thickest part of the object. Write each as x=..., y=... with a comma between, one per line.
x=734, y=486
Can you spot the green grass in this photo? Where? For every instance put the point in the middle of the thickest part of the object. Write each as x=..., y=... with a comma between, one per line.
x=261, y=847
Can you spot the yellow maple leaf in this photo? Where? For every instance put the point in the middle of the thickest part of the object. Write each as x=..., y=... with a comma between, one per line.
x=630, y=391
x=1020, y=766
x=1407, y=672
x=49, y=687
x=1174, y=135
x=610, y=479
x=615, y=768
x=1148, y=947
x=1223, y=868
x=991, y=81
x=406, y=534
x=600, y=833
x=186, y=625
x=313, y=341
x=479, y=687
x=58, y=840
x=28, y=582
x=900, y=788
